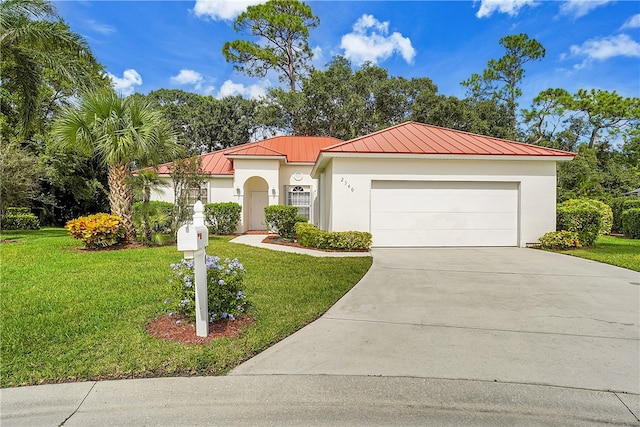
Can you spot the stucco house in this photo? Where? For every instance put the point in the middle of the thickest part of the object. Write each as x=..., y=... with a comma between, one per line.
x=409, y=185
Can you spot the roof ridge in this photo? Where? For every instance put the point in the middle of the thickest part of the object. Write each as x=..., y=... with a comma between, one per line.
x=461, y=134
x=484, y=136
x=244, y=147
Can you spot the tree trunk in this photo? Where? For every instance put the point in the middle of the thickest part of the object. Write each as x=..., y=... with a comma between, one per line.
x=121, y=197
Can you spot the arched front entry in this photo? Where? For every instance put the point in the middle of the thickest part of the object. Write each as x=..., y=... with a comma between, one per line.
x=256, y=198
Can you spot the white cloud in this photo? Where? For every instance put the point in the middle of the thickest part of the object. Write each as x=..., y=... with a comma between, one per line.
x=125, y=85
x=317, y=54
x=578, y=8
x=633, y=22
x=600, y=49
x=510, y=7
x=187, y=77
x=100, y=27
x=230, y=88
x=222, y=9
x=370, y=41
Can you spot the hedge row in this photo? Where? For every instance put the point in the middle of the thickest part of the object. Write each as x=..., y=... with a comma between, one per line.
x=309, y=235
x=631, y=223
x=19, y=219
x=618, y=206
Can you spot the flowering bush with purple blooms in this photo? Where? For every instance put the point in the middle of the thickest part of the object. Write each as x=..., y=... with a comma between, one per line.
x=226, y=300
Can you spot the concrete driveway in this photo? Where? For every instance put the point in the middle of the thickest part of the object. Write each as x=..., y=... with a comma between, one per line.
x=509, y=315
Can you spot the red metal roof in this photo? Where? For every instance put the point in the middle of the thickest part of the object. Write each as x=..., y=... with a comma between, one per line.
x=418, y=138
x=296, y=149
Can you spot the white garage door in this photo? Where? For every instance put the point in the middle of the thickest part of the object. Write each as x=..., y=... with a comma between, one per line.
x=429, y=213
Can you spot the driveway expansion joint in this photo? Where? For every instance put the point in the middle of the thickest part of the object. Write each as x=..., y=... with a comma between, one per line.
x=79, y=405
x=514, y=331
x=506, y=273
x=627, y=406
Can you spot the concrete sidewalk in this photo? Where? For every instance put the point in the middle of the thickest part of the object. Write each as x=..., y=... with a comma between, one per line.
x=316, y=400
x=465, y=336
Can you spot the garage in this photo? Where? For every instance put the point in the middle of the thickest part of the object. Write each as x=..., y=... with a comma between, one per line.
x=428, y=213
x=418, y=185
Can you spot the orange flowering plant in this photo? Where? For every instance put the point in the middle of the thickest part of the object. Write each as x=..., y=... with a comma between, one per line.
x=97, y=231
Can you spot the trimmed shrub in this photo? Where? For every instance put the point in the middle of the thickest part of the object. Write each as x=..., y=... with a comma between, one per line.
x=606, y=214
x=631, y=223
x=311, y=236
x=160, y=216
x=97, y=231
x=223, y=218
x=281, y=219
x=19, y=219
x=560, y=240
x=584, y=220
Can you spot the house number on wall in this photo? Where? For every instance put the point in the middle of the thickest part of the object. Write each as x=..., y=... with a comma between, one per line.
x=342, y=180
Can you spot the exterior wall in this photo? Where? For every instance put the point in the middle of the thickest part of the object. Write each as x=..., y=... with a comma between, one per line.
x=164, y=194
x=325, y=201
x=238, y=188
x=221, y=190
x=348, y=188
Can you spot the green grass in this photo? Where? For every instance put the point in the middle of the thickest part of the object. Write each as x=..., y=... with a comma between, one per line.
x=612, y=250
x=71, y=315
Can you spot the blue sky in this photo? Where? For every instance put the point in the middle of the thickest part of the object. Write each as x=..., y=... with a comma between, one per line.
x=148, y=45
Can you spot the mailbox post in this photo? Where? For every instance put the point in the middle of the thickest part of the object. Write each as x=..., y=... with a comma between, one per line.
x=192, y=240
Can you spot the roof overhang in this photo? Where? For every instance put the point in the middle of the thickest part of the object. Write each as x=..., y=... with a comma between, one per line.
x=325, y=157
x=255, y=157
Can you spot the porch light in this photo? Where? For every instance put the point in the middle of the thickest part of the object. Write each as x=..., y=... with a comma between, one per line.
x=238, y=191
x=273, y=191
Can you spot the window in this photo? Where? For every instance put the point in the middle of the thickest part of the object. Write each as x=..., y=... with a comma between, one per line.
x=197, y=193
x=300, y=196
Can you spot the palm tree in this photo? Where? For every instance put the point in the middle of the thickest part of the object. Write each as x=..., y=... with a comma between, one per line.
x=33, y=39
x=120, y=132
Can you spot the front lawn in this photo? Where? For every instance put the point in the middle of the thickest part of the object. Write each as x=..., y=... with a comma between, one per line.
x=612, y=250
x=71, y=315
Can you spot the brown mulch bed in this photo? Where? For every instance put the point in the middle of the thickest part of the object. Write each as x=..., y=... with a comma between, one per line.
x=277, y=240
x=116, y=247
x=173, y=327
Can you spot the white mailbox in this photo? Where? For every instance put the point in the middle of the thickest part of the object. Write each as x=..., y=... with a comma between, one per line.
x=192, y=238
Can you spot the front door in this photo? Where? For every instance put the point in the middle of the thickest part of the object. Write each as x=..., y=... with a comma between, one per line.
x=259, y=201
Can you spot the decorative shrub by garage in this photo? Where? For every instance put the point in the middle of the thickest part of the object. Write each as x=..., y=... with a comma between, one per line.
x=560, y=240
x=606, y=214
x=311, y=236
x=586, y=221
